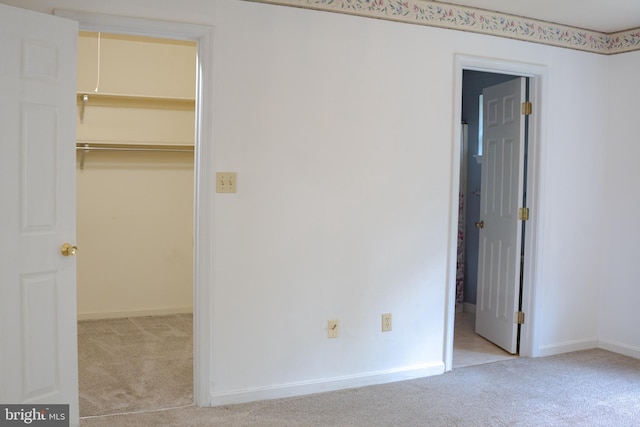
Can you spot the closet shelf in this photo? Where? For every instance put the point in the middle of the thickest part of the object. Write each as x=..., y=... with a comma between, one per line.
x=86, y=146
x=88, y=99
x=103, y=96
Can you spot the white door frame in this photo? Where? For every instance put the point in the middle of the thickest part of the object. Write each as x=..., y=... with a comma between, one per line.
x=203, y=159
x=533, y=240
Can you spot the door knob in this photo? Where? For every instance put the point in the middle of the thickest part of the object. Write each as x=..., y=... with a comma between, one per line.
x=68, y=249
x=480, y=224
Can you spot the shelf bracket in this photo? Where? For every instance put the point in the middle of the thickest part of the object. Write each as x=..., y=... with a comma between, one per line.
x=85, y=98
x=84, y=153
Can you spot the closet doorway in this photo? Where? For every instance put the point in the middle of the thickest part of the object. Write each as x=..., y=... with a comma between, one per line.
x=135, y=211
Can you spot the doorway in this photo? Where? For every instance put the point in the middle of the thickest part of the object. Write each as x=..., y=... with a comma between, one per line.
x=499, y=70
x=204, y=176
x=135, y=175
x=469, y=347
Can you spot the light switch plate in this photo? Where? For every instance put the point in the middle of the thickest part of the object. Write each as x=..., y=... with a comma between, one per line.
x=332, y=329
x=225, y=182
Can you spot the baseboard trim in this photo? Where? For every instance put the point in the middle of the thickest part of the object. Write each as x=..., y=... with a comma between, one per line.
x=468, y=307
x=134, y=313
x=620, y=348
x=324, y=385
x=566, y=347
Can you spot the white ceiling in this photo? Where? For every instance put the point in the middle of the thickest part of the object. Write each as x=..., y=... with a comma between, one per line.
x=607, y=16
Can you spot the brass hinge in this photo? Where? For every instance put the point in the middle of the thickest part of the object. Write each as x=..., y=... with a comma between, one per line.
x=527, y=108
x=519, y=317
x=523, y=214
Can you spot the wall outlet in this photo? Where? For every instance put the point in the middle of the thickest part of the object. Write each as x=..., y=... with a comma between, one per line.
x=386, y=322
x=225, y=182
x=332, y=329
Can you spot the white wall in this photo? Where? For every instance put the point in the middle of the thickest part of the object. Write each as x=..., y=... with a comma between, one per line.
x=341, y=130
x=572, y=212
x=620, y=294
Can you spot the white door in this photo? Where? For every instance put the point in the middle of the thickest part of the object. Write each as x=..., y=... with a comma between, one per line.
x=499, y=254
x=38, y=347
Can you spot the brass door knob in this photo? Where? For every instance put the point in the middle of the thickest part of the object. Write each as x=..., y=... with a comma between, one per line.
x=480, y=224
x=68, y=249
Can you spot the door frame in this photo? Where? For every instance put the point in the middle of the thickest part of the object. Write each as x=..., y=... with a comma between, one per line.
x=203, y=173
x=537, y=75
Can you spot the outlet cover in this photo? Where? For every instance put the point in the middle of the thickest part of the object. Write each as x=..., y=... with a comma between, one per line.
x=386, y=322
x=332, y=329
x=225, y=182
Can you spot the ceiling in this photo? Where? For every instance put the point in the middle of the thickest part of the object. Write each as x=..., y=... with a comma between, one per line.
x=607, y=16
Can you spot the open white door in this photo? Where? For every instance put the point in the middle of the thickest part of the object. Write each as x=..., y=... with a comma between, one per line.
x=38, y=342
x=498, y=289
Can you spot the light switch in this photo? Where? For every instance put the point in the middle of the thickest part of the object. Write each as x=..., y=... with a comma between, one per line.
x=332, y=328
x=225, y=182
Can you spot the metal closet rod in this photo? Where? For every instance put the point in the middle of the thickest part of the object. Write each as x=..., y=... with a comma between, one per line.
x=172, y=148
x=85, y=147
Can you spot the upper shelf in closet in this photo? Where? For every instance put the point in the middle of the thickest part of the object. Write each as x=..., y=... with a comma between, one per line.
x=85, y=100
x=135, y=67
x=135, y=90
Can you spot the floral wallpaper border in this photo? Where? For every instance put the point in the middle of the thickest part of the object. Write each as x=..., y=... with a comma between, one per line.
x=443, y=15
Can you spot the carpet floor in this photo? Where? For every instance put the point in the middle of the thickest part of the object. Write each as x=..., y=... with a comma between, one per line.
x=145, y=363
x=136, y=363
x=586, y=388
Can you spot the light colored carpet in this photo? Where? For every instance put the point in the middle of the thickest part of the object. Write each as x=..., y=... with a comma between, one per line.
x=143, y=363
x=135, y=364
x=587, y=388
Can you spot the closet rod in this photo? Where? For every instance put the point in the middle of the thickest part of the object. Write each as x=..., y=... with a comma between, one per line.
x=132, y=147
x=84, y=148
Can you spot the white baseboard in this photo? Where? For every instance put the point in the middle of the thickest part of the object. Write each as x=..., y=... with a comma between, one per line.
x=134, y=313
x=620, y=348
x=469, y=308
x=324, y=385
x=566, y=347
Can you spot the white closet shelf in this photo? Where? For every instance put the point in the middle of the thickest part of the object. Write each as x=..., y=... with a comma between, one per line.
x=131, y=97
x=87, y=99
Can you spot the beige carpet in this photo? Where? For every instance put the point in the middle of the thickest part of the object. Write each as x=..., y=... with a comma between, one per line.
x=588, y=388
x=134, y=364
x=144, y=363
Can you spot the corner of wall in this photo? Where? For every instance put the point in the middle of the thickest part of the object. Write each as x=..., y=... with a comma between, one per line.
x=620, y=348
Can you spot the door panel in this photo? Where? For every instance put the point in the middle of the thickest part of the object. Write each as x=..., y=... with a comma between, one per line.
x=38, y=175
x=38, y=348
x=501, y=193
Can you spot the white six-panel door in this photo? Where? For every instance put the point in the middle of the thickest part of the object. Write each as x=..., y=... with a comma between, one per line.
x=501, y=196
x=38, y=343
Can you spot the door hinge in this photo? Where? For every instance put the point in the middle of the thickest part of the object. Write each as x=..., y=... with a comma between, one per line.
x=527, y=108
x=519, y=317
x=523, y=214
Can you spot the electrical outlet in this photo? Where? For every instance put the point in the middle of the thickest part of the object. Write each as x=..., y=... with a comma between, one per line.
x=332, y=329
x=386, y=322
x=225, y=182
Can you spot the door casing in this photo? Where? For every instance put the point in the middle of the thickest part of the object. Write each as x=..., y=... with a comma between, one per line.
x=204, y=176
x=537, y=86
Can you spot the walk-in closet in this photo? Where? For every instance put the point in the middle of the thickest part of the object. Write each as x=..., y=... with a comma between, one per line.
x=135, y=177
